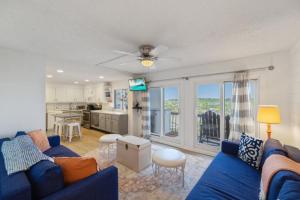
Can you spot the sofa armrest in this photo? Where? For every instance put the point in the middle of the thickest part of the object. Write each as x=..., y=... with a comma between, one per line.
x=231, y=148
x=15, y=187
x=54, y=140
x=102, y=185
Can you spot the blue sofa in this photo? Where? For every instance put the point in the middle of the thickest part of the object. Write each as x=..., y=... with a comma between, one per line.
x=23, y=185
x=228, y=177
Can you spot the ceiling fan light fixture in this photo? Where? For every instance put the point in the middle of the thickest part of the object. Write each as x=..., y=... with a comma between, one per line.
x=146, y=62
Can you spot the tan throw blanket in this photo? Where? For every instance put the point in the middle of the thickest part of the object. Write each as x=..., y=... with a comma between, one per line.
x=274, y=164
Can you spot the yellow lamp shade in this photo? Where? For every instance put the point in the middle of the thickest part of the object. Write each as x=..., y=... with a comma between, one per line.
x=268, y=114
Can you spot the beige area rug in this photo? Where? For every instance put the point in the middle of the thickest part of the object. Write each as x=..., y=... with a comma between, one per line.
x=146, y=186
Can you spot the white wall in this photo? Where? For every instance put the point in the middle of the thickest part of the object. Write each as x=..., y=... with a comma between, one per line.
x=295, y=94
x=274, y=89
x=22, y=89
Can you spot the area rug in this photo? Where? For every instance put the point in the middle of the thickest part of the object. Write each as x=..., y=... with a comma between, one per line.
x=145, y=186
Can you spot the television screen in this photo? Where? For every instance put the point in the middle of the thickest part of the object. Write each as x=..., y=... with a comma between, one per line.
x=137, y=84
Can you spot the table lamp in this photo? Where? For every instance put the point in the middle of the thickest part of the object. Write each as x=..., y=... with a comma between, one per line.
x=268, y=114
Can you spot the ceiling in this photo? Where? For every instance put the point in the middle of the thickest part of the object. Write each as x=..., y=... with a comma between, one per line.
x=78, y=34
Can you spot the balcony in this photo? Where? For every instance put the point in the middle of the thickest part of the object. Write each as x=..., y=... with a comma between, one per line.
x=171, y=122
x=208, y=125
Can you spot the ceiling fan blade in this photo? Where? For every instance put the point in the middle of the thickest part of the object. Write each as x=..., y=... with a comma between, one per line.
x=110, y=60
x=169, y=58
x=128, y=63
x=127, y=73
x=159, y=49
x=125, y=53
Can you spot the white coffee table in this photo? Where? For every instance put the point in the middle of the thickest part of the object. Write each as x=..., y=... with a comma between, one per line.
x=169, y=158
x=108, y=140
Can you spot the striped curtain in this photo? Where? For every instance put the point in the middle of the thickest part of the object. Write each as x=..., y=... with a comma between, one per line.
x=241, y=117
x=145, y=114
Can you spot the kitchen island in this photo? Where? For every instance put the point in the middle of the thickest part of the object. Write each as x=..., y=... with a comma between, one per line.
x=110, y=121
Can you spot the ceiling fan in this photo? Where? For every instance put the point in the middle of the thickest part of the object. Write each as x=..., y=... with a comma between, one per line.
x=147, y=55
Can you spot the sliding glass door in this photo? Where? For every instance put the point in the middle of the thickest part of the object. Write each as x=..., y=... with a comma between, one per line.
x=155, y=110
x=165, y=111
x=213, y=105
x=208, y=113
x=171, y=111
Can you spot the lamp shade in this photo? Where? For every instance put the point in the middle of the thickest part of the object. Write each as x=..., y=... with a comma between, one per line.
x=268, y=114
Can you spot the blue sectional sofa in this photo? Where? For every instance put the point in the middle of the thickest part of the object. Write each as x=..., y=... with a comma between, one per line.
x=228, y=177
x=45, y=177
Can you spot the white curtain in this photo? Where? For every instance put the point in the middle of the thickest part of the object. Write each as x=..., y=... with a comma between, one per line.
x=145, y=114
x=241, y=117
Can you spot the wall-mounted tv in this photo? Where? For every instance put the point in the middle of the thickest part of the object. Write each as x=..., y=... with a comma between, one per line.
x=137, y=84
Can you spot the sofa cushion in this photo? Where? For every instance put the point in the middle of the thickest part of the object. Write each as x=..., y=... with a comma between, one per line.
x=278, y=180
x=40, y=139
x=60, y=151
x=290, y=190
x=76, y=168
x=250, y=150
x=227, y=177
x=271, y=147
x=45, y=178
x=293, y=153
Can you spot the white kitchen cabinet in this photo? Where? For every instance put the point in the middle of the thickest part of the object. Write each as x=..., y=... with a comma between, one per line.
x=90, y=94
x=60, y=94
x=64, y=93
x=94, y=93
x=74, y=94
x=50, y=94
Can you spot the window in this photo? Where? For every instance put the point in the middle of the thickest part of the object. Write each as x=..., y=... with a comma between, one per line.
x=164, y=109
x=120, y=99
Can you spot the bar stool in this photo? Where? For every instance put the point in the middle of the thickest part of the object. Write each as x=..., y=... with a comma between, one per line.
x=58, y=127
x=70, y=129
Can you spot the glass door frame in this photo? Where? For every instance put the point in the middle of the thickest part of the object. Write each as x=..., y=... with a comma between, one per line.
x=219, y=80
x=161, y=136
x=197, y=83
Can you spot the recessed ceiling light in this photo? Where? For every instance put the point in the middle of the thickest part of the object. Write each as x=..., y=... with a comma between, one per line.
x=101, y=77
x=87, y=80
x=49, y=76
x=60, y=71
x=76, y=82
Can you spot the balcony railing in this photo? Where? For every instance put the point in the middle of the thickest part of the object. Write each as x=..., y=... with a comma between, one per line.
x=208, y=125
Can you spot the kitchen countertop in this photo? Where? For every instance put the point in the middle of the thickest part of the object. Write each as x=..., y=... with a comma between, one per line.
x=109, y=112
x=66, y=115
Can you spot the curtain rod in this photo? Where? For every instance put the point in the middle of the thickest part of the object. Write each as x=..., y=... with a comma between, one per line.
x=271, y=67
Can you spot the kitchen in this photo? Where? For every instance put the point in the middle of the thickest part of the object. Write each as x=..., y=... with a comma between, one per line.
x=98, y=106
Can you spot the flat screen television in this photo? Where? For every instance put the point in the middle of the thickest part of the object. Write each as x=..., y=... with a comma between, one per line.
x=137, y=84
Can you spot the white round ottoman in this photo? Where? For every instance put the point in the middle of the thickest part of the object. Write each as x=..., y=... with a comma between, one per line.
x=108, y=140
x=169, y=158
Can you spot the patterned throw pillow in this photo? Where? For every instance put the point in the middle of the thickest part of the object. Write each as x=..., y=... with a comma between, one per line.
x=250, y=150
